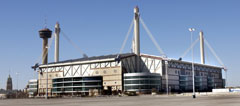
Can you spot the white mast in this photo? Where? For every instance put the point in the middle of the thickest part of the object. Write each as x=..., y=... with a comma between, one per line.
x=57, y=31
x=137, y=38
x=202, y=47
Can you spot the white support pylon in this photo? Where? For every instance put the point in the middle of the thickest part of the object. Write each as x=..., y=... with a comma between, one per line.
x=202, y=47
x=57, y=31
x=136, y=31
x=137, y=38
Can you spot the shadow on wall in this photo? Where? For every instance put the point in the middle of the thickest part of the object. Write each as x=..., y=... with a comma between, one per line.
x=130, y=66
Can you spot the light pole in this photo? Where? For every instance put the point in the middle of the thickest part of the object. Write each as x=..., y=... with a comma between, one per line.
x=166, y=68
x=193, y=73
x=17, y=85
x=46, y=84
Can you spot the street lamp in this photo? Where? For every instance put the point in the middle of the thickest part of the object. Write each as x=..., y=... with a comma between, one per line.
x=166, y=70
x=17, y=84
x=193, y=73
x=46, y=97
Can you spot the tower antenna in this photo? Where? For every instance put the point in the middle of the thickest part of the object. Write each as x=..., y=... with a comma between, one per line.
x=9, y=72
x=45, y=21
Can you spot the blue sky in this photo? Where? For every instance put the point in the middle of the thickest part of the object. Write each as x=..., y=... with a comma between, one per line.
x=98, y=27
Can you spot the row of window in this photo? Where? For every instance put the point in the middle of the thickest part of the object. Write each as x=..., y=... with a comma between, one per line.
x=79, y=89
x=146, y=82
x=33, y=86
x=139, y=87
x=196, y=84
x=196, y=67
x=77, y=79
x=76, y=84
x=70, y=84
x=105, y=71
x=186, y=78
x=196, y=73
x=134, y=77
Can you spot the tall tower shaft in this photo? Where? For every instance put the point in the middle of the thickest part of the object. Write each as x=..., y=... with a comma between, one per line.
x=136, y=31
x=137, y=38
x=57, y=31
x=202, y=47
x=45, y=34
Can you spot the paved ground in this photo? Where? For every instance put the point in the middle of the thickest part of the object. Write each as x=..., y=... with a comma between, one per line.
x=229, y=100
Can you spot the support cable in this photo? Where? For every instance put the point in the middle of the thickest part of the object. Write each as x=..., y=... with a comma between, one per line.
x=49, y=47
x=208, y=60
x=126, y=37
x=124, y=42
x=73, y=44
x=152, y=38
x=192, y=46
x=44, y=53
x=214, y=53
x=218, y=59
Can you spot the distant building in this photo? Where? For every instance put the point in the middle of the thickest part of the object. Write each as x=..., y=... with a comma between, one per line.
x=7, y=93
x=9, y=83
x=32, y=87
x=3, y=94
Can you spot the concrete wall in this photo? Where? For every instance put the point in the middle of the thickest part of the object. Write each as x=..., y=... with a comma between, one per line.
x=147, y=64
x=42, y=84
x=110, y=70
x=112, y=77
x=220, y=90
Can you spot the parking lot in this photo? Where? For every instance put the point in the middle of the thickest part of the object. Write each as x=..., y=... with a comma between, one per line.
x=147, y=100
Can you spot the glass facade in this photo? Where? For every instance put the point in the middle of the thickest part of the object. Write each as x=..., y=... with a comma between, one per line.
x=210, y=82
x=207, y=77
x=142, y=82
x=76, y=84
x=185, y=83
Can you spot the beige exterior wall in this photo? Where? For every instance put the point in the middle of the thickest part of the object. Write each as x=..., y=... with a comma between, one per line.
x=112, y=77
x=42, y=78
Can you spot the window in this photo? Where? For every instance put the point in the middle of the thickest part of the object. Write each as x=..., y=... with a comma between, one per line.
x=97, y=72
x=115, y=71
x=104, y=71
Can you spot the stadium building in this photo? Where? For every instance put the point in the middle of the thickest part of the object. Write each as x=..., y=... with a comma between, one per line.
x=123, y=72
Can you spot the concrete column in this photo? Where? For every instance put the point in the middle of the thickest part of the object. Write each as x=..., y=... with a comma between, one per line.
x=136, y=31
x=137, y=38
x=45, y=51
x=45, y=34
x=57, y=31
x=202, y=47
